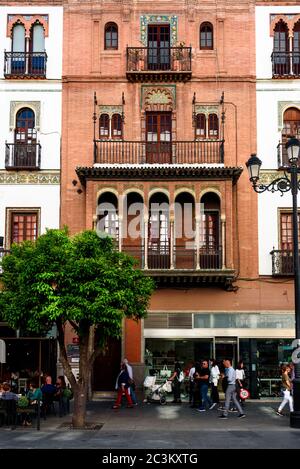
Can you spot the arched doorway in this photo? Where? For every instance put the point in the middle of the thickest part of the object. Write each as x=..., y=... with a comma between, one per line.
x=159, y=232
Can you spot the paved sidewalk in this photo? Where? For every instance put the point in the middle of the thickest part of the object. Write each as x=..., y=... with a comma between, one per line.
x=155, y=426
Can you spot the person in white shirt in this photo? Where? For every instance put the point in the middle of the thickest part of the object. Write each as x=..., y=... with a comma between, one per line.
x=240, y=377
x=191, y=382
x=214, y=379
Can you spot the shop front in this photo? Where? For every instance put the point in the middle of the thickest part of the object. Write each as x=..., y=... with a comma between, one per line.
x=261, y=340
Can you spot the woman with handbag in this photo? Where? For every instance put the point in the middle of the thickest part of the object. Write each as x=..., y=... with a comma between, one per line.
x=240, y=377
x=176, y=383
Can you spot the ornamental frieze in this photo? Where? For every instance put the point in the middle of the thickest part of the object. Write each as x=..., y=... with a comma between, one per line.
x=25, y=177
x=172, y=20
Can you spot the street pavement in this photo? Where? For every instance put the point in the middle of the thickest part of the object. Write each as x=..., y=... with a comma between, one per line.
x=161, y=427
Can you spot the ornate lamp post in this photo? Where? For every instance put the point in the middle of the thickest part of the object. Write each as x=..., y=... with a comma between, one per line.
x=285, y=184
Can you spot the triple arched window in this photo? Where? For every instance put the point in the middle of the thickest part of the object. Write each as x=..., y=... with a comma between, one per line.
x=207, y=126
x=110, y=126
x=206, y=36
x=111, y=36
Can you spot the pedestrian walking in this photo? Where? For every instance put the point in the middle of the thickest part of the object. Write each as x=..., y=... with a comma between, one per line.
x=214, y=380
x=191, y=383
x=240, y=377
x=122, y=385
x=131, y=382
x=231, y=391
x=204, y=381
x=286, y=390
x=176, y=383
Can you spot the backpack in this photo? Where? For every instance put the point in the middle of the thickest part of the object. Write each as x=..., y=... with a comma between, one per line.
x=181, y=377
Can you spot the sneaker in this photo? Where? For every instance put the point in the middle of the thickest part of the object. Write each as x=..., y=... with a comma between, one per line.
x=233, y=410
x=213, y=406
x=223, y=417
x=241, y=416
x=201, y=410
x=115, y=407
x=221, y=408
x=279, y=413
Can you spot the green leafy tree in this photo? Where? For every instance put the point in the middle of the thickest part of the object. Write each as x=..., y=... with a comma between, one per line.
x=80, y=280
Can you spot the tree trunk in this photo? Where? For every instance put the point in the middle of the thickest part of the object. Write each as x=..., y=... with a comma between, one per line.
x=80, y=400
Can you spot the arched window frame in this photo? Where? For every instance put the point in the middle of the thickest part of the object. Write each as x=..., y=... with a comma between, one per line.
x=111, y=36
x=206, y=36
x=104, y=127
x=200, y=125
x=281, y=44
x=116, y=126
x=25, y=134
x=213, y=126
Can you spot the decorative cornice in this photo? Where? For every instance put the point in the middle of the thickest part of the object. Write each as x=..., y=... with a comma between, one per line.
x=26, y=177
x=152, y=172
x=266, y=176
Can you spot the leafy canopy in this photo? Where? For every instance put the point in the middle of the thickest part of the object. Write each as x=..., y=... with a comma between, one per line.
x=82, y=279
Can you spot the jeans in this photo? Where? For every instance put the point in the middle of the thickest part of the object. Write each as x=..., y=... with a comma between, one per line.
x=231, y=394
x=133, y=396
x=204, y=397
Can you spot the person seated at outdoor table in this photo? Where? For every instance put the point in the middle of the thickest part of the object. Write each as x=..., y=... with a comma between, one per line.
x=48, y=390
x=34, y=395
x=7, y=394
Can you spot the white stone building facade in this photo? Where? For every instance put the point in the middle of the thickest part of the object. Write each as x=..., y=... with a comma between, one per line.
x=30, y=131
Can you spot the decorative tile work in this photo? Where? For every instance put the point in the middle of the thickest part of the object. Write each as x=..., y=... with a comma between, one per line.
x=266, y=176
x=282, y=106
x=206, y=109
x=172, y=20
x=110, y=110
x=160, y=94
x=26, y=177
x=15, y=106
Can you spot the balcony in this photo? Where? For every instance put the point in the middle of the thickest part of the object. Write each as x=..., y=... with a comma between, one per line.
x=285, y=64
x=157, y=64
x=180, y=152
x=282, y=263
x=25, y=64
x=186, y=265
x=22, y=156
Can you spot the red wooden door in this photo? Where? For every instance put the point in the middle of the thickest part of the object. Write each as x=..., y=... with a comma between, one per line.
x=159, y=47
x=158, y=135
x=25, y=139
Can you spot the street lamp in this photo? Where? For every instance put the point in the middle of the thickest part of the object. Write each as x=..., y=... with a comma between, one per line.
x=284, y=184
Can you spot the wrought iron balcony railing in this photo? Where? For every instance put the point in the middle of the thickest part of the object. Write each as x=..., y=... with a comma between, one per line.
x=282, y=262
x=23, y=156
x=144, y=63
x=285, y=64
x=25, y=64
x=160, y=257
x=134, y=152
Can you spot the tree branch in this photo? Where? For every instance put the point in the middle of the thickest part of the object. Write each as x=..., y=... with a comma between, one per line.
x=74, y=325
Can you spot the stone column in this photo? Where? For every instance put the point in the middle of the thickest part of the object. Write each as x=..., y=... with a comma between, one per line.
x=171, y=243
x=223, y=226
x=197, y=243
x=146, y=241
